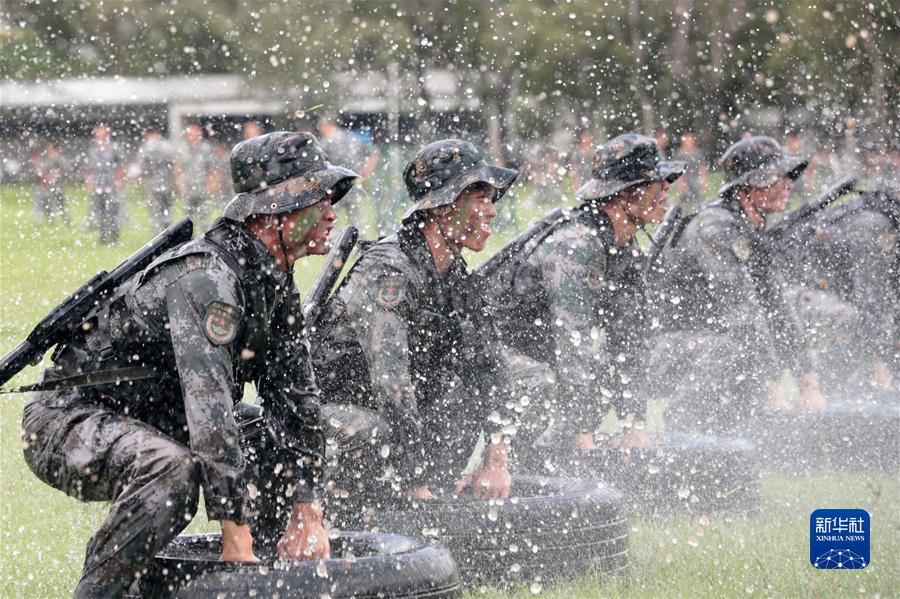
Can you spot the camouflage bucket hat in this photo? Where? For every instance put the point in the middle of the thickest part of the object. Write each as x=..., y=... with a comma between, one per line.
x=442, y=170
x=281, y=172
x=758, y=162
x=625, y=161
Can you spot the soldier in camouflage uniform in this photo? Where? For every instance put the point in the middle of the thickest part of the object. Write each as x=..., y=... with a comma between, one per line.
x=157, y=157
x=105, y=175
x=718, y=298
x=49, y=199
x=201, y=321
x=569, y=304
x=195, y=174
x=406, y=363
x=847, y=298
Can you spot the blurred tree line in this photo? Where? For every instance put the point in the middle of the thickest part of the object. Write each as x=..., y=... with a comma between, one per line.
x=678, y=64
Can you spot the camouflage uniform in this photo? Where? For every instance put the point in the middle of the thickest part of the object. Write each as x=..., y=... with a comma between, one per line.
x=104, y=163
x=847, y=298
x=719, y=348
x=196, y=167
x=207, y=317
x=569, y=303
x=405, y=360
x=158, y=168
x=49, y=200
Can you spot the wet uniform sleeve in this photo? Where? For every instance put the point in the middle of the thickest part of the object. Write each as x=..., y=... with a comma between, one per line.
x=204, y=318
x=572, y=268
x=291, y=399
x=723, y=256
x=378, y=306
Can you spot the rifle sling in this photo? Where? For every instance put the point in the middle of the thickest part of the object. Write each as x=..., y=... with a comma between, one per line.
x=90, y=379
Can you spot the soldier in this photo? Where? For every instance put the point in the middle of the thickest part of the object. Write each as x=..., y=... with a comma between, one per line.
x=847, y=299
x=583, y=272
x=157, y=158
x=49, y=200
x=195, y=174
x=693, y=186
x=202, y=320
x=105, y=175
x=407, y=366
x=352, y=151
x=718, y=298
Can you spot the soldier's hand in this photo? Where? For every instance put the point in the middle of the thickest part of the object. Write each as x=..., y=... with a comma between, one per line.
x=493, y=480
x=237, y=543
x=632, y=438
x=777, y=400
x=584, y=441
x=305, y=537
x=421, y=493
x=883, y=376
x=811, y=399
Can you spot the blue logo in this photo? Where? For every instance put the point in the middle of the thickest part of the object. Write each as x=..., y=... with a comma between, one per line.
x=839, y=539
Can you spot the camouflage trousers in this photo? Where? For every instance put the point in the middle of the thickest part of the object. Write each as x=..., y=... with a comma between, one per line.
x=160, y=203
x=710, y=380
x=841, y=346
x=78, y=446
x=105, y=213
x=365, y=461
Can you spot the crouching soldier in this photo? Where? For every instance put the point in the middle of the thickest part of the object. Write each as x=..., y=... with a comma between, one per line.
x=729, y=334
x=404, y=357
x=203, y=320
x=848, y=294
x=569, y=303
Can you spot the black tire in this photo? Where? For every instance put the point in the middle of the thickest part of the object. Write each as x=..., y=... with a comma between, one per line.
x=550, y=528
x=382, y=565
x=859, y=435
x=697, y=473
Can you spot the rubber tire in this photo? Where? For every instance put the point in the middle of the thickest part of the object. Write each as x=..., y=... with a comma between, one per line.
x=859, y=436
x=681, y=472
x=550, y=528
x=396, y=566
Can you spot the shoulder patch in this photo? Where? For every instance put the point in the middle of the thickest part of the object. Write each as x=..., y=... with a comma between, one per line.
x=740, y=245
x=886, y=241
x=391, y=291
x=221, y=322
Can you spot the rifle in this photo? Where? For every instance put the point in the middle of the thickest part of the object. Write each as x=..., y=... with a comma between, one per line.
x=514, y=247
x=317, y=298
x=784, y=227
x=72, y=312
x=661, y=235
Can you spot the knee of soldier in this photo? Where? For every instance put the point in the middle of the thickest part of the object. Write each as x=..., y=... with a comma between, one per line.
x=169, y=463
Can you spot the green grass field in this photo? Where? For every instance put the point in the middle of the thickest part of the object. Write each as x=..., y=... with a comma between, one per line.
x=43, y=533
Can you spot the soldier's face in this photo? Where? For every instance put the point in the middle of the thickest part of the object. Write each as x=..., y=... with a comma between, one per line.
x=649, y=202
x=306, y=231
x=469, y=221
x=773, y=198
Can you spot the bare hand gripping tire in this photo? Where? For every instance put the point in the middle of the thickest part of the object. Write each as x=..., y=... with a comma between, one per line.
x=364, y=565
x=681, y=471
x=549, y=528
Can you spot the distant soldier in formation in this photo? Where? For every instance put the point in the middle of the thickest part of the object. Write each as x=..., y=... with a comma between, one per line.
x=692, y=188
x=49, y=199
x=157, y=160
x=195, y=174
x=349, y=150
x=729, y=337
x=570, y=304
x=406, y=361
x=202, y=320
x=104, y=180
